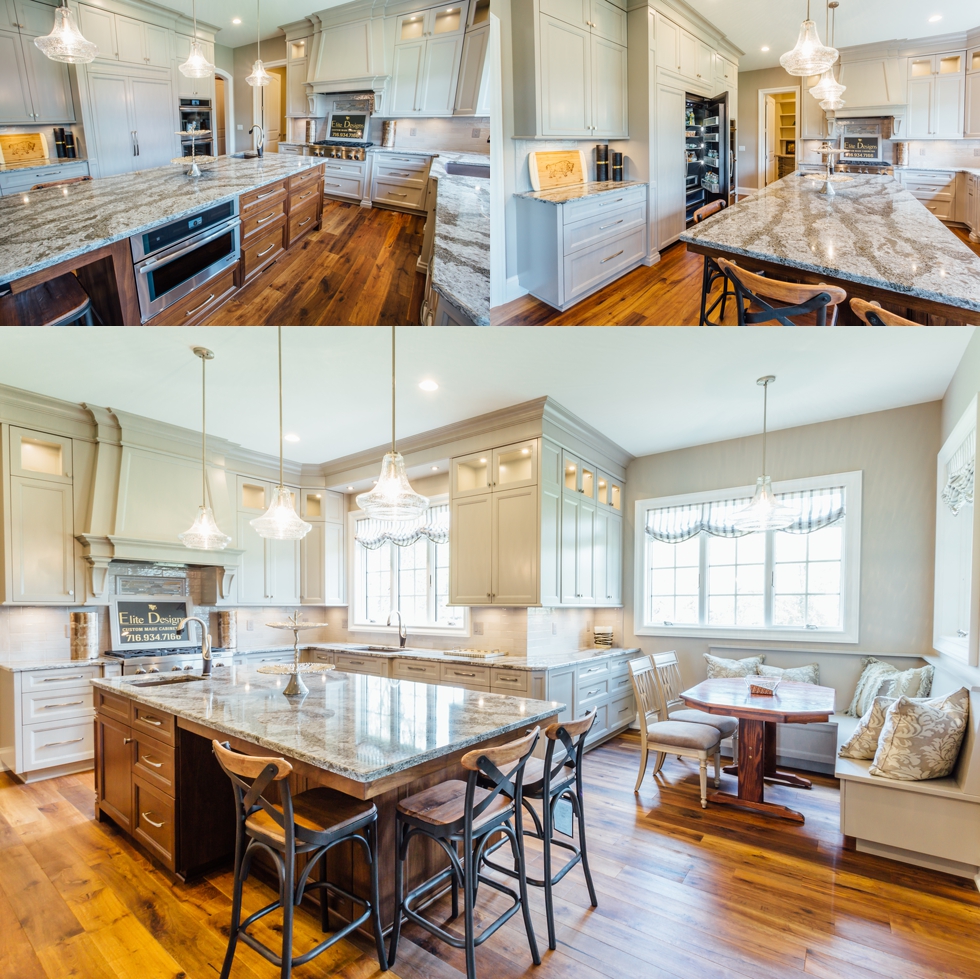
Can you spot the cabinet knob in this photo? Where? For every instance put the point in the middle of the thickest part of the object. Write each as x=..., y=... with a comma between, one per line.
x=127, y=740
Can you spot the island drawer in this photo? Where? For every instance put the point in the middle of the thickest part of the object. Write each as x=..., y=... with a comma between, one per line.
x=298, y=181
x=153, y=821
x=586, y=269
x=600, y=227
x=44, y=705
x=259, y=218
x=268, y=194
x=58, y=679
x=360, y=664
x=198, y=305
x=343, y=186
x=58, y=743
x=465, y=674
x=264, y=249
x=155, y=723
x=402, y=175
x=303, y=195
x=154, y=762
x=394, y=191
x=113, y=705
x=508, y=681
x=302, y=220
x=591, y=207
x=415, y=670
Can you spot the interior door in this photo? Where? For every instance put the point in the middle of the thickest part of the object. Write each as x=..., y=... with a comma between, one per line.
x=272, y=112
x=219, y=116
x=153, y=120
x=770, y=140
x=112, y=115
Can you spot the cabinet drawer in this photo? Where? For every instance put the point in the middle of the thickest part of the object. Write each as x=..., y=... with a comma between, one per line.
x=415, y=670
x=401, y=175
x=360, y=664
x=61, y=743
x=153, y=821
x=303, y=220
x=46, y=705
x=508, y=681
x=348, y=168
x=261, y=660
x=620, y=685
x=600, y=727
x=392, y=191
x=262, y=195
x=259, y=218
x=263, y=249
x=585, y=269
x=416, y=164
x=339, y=185
x=622, y=712
x=299, y=181
x=20, y=180
x=597, y=229
x=591, y=692
x=155, y=723
x=58, y=679
x=941, y=209
x=197, y=305
x=589, y=671
x=113, y=705
x=303, y=195
x=462, y=674
x=594, y=206
x=154, y=762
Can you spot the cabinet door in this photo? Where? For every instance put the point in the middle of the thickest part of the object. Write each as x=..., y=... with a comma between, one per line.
x=668, y=43
x=334, y=565
x=42, y=548
x=15, y=95
x=406, y=75
x=949, y=106
x=472, y=474
x=566, y=86
x=609, y=83
x=973, y=105
x=670, y=165
x=574, y=12
x=312, y=564
x=687, y=55
x=470, y=555
x=440, y=70
x=514, y=580
x=472, y=71
x=33, y=17
x=111, y=114
x=921, y=97
x=706, y=58
x=614, y=560
x=253, y=572
x=156, y=46
x=50, y=86
x=99, y=27
x=515, y=465
x=129, y=40
x=153, y=120
x=285, y=571
x=297, y=103
x=609, y=21
x=813, y=119
x=585, y=553
x=600, y=555
x=114, y=770
x=569, y=542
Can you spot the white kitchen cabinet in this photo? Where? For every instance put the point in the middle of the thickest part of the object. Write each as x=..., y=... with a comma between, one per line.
x=473, y=88
x=406, y=71
x=16, y=107
x=470, y=551
x=706, y=62
x=608, y=21
x=813, y=119
x=297, y=101
x=440, y=73
x=99, y=27
x=190, y=88
x=972, y=126
x=935, y=188
x=153, y=111
x=126, y=39
x=50, y=85
x=515, y=547
x=608, y=557
x=28, y=16
x=33, y=89
x=937, y=86
x=41, y=542
x=726, y=73
x=129, y=40
x=577, y=550
x=687, y=54
x=610, y=109
x=670, y=197
x=566, y=92
x=269, y=572
x=322, y=555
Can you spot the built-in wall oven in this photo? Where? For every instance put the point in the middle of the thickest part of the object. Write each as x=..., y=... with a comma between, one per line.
x=195, y=114
x=176, y=258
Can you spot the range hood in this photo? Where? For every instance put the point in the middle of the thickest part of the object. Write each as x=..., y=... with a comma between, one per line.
x=864, y=122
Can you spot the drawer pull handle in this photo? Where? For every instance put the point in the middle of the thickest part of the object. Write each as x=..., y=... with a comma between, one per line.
x=307, y=221
x=607, y=203
x=398, y=173
x=507, y=679
x=262, y=197
x=307, y=194
x=61, y=679
x=197, y=309
x=416, y=669
x=68, y=703
x=611, y=257
x=592, y=693
x=54, y=744
x=151, y=720
x=602, y=227
x=392, y=193
x=154, y=764
x=331, y=184
x=267, y=250
x=127, y=740
x=268, y=217
x=461, y=673
x=623, y=710
x=146, y=816
x=356, y=662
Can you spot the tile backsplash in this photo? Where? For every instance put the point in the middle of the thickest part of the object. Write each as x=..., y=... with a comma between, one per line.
x=943, y=153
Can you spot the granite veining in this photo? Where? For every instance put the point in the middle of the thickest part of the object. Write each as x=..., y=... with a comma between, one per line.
x=43, y=227
x=461, y=246
x=579, y=192
x=363, y=728
x=873, y=232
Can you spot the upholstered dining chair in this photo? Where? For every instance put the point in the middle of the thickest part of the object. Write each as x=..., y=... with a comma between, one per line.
x=685, y=739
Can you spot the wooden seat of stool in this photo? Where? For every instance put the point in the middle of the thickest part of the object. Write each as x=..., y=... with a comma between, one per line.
x=316, y=812
x=52, y=303
x=445, y=805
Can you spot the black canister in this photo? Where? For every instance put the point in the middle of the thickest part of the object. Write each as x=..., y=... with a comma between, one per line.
x=602, y=161
x=617, y=167
x=59, y=141
x=70, y=146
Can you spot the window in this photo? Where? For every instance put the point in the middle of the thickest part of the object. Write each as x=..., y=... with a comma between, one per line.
x=698, y=576
x=411, y=576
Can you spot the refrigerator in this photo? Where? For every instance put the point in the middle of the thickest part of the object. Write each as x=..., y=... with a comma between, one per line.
x=707, y=152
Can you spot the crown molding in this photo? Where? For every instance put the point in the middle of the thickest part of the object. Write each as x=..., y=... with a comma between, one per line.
x=679, y=10
x=30, y=410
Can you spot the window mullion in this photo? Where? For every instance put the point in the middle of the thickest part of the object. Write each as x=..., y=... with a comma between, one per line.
x=394, y=597
x=769, y=573
x=703, y=579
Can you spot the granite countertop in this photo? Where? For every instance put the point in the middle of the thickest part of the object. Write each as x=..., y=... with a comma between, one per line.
x=39, y=164
x=21, y=662
x=910, y=166
x=363, y=728
x=44, y=227
x=461, y=247
x=578, y=192
x=873, y=231
x=530, y=661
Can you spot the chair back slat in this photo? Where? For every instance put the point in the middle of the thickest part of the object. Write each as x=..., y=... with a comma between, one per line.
x=645, y=688
x=250, y=777
x=705, y=212
x=571, y=735
x=873, y=315
x=669, y=675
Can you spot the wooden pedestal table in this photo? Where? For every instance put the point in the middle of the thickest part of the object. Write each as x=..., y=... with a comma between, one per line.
x=758, y=715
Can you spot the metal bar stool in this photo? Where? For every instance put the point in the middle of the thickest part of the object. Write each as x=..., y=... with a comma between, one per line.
x=558, y=777
x=456, y=814
x=57, y=302
x=312, y=823
x=711, y=272
x=795, y=299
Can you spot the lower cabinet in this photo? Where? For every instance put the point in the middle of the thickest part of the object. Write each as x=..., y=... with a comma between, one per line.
x=348, y=179
x=400, y=181
x=935, y=188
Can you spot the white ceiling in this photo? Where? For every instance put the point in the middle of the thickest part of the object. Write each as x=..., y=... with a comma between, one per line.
x=649, y=389
x=751, y=24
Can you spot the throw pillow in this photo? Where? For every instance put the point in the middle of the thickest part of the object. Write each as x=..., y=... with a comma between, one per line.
x=873, y=674
x=921, y=742
x=799, y=674
x=718, y=666
x=912, y=683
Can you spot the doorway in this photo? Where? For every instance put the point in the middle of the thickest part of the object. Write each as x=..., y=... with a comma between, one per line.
x=269, y=106
x=224, y=109
x=779, y=127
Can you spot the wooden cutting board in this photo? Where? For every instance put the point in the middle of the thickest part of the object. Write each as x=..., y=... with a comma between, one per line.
x=557, y=168
x=23, y=148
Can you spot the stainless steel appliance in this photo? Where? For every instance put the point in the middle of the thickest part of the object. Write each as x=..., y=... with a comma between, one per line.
x=173, y=259
x=348, y=127
x=865, y=166
x=195, y=114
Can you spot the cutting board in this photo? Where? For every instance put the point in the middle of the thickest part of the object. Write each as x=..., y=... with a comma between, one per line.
x=556, y=168
x=23, y=148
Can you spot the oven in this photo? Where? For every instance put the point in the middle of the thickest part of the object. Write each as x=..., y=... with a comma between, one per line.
x=195, y=114
x=176, y=258
x=202, y=147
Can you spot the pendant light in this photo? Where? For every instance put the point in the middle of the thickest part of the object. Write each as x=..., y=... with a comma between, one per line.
x=764, y=511
x=828, y=89
x=281, y=521
x=259, y=77
x=196, y=65
x=392, y=497
x=65, y=42
x=809, y=57
x=204, y=534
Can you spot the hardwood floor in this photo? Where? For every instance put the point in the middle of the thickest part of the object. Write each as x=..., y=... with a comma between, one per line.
x=684, y=893
x=357, y=270
x=666, y=294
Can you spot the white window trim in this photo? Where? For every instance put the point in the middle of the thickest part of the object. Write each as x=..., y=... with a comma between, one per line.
x=850, y=588
x=462, y=632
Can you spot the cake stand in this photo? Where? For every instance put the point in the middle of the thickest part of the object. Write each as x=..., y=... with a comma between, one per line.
x=296, y=687
x=828, y=152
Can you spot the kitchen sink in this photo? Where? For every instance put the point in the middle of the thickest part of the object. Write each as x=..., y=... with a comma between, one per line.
x=468, y=169
x=159, y=681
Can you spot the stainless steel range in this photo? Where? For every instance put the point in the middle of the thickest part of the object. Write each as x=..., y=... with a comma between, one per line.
x=865, y=166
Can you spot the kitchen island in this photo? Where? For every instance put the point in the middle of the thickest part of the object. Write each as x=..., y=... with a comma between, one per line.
x=872, y=238
x=369, y=737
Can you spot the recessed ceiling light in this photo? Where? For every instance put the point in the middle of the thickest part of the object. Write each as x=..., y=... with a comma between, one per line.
x=236, y=20
x=765, y=47
x=525, y=451
x=935, y=17
x=350, y=489
x=435, y=469
x=483, y=460
x=428, y=385
x=291, y=437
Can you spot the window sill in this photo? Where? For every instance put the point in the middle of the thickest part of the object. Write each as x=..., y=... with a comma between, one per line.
x=763, y=635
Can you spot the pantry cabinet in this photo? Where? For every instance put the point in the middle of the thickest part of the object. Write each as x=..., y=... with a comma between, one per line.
x=125, y=39
x=269, y=573
x=972, y=123
x=190, y=88
x=937, y=88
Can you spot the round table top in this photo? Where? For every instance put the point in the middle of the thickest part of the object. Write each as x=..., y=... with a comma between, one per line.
x=792, y=702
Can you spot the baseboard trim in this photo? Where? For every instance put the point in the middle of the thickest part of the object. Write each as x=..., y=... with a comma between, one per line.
x=513, y=288
x=941, y=864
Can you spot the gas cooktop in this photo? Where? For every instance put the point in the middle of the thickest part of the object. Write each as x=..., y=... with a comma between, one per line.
x=357, y=143
x=133, y=653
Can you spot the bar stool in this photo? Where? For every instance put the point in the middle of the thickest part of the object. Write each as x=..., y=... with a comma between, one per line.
x=456, y=814
x=57, y=302
x=312, y=823
x=873, y=315
x=795, y=299
x=558, y=776
x=711, y=271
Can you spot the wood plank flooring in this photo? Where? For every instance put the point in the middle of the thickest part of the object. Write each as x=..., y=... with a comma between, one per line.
x=684, y=893
x=357, y=270
x=665, y=294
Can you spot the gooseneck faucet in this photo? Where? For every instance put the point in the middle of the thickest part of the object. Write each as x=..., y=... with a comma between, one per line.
x=205, y=641
x=260, y=142
x=402, y=632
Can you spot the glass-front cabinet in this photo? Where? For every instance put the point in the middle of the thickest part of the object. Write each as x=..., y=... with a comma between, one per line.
x=431, y=23
x=509, y=467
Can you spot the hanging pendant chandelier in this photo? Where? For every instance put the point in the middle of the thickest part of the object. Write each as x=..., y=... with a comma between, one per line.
x=204, y=534
x=196, y=65
x=259, y=77
x=810, y=56
x=392, y=497
x=65, y=42
x=828, y=89
x=764, y=511
x=281, y=521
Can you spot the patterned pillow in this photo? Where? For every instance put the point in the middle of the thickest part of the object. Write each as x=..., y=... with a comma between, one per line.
x=799, y=674
x=873, y=674
x=920, y=742
x=912, y=683
x=718, y=666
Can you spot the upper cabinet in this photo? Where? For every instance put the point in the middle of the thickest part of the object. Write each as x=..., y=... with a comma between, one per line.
x=297, y=69
x=937, y=90
x=269, y=573
x=125, y=39
x=473, y=88
x=682, y=53
x=322, y=556
x=190, y=88
x=813, y=119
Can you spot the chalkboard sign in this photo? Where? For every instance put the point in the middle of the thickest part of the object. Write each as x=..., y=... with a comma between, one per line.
x=148, y=622
x=860, y=148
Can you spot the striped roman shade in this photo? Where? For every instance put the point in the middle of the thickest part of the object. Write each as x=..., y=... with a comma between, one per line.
x=434, y=524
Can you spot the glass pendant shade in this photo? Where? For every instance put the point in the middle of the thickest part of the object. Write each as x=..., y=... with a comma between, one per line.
x=259, y=77
x=393, y=498
x=65, y=42
x=204, y=533
x=281, y=521
x=764, y=511
x=810, y=56
x=196, y=65
x=832, y=105
x=828, y=88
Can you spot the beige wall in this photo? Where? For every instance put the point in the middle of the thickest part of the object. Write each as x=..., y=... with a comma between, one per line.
x=896, y=450
x=749, y=84
x=272, y=50
x=963, y=386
